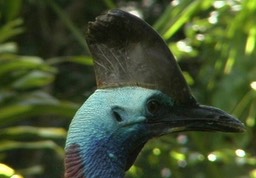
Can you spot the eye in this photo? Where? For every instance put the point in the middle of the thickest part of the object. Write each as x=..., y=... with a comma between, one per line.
x=153, y=106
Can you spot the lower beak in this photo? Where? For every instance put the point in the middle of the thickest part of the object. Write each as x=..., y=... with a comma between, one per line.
x=198, y=118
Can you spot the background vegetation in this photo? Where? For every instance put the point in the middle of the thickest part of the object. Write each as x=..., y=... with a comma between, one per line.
x=46, y=73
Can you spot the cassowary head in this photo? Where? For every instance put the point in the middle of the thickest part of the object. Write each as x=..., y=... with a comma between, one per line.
x=141, y=94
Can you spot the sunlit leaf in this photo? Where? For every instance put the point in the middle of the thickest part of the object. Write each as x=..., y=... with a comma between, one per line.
x=9, y=47
x=7, y=172
x=251, y=41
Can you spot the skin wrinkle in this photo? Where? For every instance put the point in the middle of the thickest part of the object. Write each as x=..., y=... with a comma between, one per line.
x=73, y=162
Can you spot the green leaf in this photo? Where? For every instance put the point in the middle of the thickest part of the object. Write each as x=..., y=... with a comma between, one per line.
x=10, y=8
x=11, y=29
x=33, y=79
x=84, y=60
x=22, y=63
x=12, y=145
x=10, y=47
x=17, y=112
x=29, y=132
x=6, y=171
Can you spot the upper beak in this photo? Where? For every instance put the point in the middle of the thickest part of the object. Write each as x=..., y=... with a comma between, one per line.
x=197, y=118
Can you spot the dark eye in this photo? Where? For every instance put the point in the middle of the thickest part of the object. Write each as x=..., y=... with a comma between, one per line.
x=153, y=106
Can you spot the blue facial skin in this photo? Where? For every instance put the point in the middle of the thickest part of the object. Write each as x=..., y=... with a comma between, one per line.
x=109, y=130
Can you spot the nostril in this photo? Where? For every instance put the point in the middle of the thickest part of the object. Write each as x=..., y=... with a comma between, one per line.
x=117, y=116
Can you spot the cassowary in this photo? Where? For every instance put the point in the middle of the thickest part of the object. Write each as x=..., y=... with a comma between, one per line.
x=141, y=93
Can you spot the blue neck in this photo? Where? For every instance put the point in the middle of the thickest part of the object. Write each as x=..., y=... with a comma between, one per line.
x=95, y=163
x=101, y=158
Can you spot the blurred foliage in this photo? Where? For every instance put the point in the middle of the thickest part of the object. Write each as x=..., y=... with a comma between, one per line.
x=46, y=74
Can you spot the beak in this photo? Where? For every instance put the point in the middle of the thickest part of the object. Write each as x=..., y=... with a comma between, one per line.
x=196, y=118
